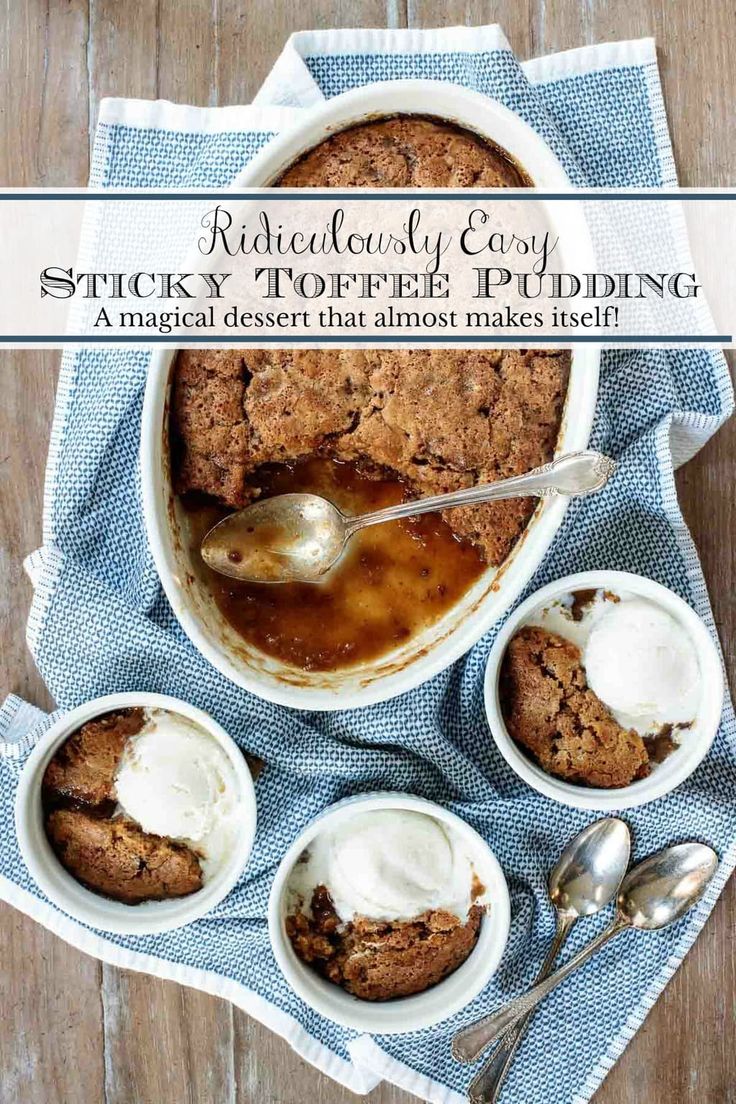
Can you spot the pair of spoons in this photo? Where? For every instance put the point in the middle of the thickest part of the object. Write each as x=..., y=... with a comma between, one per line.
x=589, y=875
x=298, y=537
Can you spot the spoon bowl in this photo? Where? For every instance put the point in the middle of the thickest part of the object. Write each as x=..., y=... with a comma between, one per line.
x=654, y=894
x=583, y=881
x=590, y=870
x=661, y=888
x=281, y=539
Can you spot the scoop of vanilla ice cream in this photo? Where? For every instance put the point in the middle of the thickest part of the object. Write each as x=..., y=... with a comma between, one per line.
x=642, y=664
x=175, y=780
x=391, y=864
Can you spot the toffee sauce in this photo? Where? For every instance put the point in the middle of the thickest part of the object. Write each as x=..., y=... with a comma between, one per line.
x=393, y=581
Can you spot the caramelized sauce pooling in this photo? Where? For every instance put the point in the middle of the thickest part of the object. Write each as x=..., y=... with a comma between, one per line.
x=393, y=581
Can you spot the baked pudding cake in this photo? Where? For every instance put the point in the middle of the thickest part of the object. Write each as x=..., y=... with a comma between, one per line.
x=379, y=960
x=551, y=711
x=406, y=151
x=439, y=420
x=141, y=805
x=367, y=428
x=107, y=852
x=599, y=687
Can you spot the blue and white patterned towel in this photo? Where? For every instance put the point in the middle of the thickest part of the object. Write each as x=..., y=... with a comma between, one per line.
x=100, y=622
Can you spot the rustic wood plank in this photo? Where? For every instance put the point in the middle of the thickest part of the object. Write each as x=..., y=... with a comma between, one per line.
x=189, y=42
x=695, y=60
x=27, y=382
x=43, y=105
x=165, y=1043
x=52, y=1045
x=122, y=52
x=267, y=1069
x=518, y=19
x=51, y=1042
x=251, y=36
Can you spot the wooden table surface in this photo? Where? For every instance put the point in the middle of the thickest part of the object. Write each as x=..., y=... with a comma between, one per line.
x=79, y=1032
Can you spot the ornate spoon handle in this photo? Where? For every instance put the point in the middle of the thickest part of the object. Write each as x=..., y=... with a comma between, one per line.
x=485, y=1031
x=471, y=1041
x=574, y=475
x=486, y=1086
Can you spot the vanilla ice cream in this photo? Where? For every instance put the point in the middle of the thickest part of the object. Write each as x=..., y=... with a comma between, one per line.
x=175, y=780
x=390, y=864
x=642, y=664
x=638, y=659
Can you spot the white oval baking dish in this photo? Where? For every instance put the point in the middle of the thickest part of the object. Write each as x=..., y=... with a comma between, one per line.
x=437, y=647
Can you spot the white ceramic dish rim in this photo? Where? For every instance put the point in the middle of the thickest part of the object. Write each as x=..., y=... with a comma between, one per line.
x=65, y=891
x=463, y=625
x=680, y=764
x=460, y=105
x=408, y=1013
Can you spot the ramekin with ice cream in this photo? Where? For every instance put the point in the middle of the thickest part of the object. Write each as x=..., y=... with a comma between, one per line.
x=604, y=690
x=136, y=813
x=388, y=914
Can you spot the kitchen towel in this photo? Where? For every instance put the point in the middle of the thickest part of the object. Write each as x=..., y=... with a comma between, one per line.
x=100, y=622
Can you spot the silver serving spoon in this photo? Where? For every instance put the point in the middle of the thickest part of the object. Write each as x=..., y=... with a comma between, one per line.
x=300, y=536
x=654, y=894
x=584, y=880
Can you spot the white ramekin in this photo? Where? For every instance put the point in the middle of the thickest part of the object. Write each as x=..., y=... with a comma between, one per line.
x=406, y=1014
x=91, y=908
x=493, y=593
x=696, y=742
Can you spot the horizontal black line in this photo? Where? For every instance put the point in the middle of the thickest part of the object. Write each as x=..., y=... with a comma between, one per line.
x=381, y=339
x=277, y=194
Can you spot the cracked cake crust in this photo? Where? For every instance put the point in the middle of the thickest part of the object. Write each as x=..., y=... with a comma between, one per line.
x=118, y=859
x=406, y=151
x=379, y=960
x=439, y=420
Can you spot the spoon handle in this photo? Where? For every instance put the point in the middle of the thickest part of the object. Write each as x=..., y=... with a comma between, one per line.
x=486, y=1086
x=499, y=1022
x=469, y=1044
x=575, y=474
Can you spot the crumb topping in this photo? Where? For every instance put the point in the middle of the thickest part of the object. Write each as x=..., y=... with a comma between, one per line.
x=382, y=960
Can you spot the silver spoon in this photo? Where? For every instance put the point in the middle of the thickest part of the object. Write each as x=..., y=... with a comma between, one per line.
x=584, y=881
x=656, y=893
x=300, y=536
